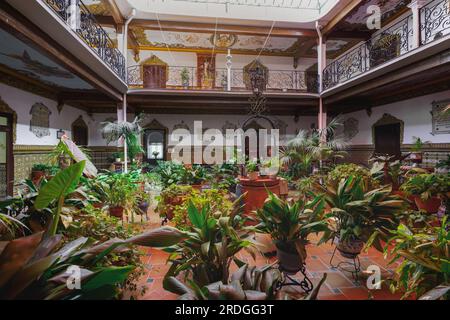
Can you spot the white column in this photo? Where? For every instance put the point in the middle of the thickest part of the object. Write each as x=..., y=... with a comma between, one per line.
x=125, y=146
x=74, y=15
x=229, y=64
x=415, y=6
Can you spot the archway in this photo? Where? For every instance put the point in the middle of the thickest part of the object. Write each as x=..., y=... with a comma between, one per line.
x=387, y=135
x=80, y=132
x=154, y=73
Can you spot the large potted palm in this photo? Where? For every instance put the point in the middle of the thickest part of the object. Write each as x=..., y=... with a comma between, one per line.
x=289, y=225
x=129, y=133
x=359, y=213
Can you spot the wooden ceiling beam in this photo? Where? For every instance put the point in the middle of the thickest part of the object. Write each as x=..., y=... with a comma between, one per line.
x=116, y=14
x=344, y=13
x=222, y=28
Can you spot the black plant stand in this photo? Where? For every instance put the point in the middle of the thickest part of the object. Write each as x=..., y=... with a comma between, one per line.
x=353, y=266
x=306, y=284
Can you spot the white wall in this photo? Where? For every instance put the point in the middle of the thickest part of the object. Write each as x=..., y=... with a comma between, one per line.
x=209, y=122
x=22, y=101
x=416, y=114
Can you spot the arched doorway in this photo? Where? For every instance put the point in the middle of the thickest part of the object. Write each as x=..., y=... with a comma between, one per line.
x=8, y=121
x=387, y=135
x=155, y=73
x=255, y=123
x=155, y=142
x=80, y=132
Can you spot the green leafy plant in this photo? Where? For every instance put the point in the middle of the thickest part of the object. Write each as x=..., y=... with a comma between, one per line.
x=218, y=200
x=444, y=164
x=211, y=244
x=386, y=170
x=289, y=224
x=129, y=131
x=360, y=212
x=37, y=268
x=185, y=76
x=251, y=166
x=418, y=144
x=427, y=185
x=171, y=173
x=57, y=189
x=424, y=257
x=247, y=283
x=171, y=197
x=343, y=171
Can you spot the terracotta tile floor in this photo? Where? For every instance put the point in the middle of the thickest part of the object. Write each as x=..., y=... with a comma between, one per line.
x=339, y=285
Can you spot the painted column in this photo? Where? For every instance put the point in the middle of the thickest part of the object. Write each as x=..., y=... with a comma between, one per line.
x=415, y=7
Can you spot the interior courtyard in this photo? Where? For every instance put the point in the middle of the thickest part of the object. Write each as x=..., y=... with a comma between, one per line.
x=224, y=149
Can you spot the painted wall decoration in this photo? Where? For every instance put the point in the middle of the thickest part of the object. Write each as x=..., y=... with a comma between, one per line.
x=351, y=128
x=223, y=40
x=40, y=120
x=181, y=125
x=440, y=119
x=21, y=58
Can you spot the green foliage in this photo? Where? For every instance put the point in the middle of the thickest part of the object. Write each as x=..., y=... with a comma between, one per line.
x=289, y=224
x=444, y=164
x=57, y=189
x=361, y=212
x=427, y=185
x=386, y=170
x=418, y=144
x=251, y=166
x=212, y=242
x=36, y=268
x=130, y=131
x=170, y=197
x=424, y=257
x=224, y=176
x=247, y=283
x=171, y=173
x=343, y=171
x=218, y=200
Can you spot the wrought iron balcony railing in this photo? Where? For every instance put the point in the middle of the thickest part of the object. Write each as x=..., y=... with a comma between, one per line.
x=383, y=47
x=77, y=16
x=188, y=78
x=435, y=18
x=389, y=44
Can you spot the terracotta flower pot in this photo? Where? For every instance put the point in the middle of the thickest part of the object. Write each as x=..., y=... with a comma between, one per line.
x=37, y=176
x=290, y=262
x=98, y=205
x=116, y=212
x=253, y=176
x=430, y=206
x=350, y=248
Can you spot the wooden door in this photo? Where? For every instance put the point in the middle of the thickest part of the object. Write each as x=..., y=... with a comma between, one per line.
x=6, y=156
x=387, y=140
x=155, y=76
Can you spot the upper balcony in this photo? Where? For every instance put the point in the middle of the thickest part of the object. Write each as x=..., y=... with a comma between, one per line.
x=77, y=16
x=193, y=79
x=390, y=44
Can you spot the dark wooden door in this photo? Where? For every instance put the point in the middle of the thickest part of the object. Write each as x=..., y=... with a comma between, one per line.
x=6, y=156
x=80, y=135
x=155, y=76
x=387, y=140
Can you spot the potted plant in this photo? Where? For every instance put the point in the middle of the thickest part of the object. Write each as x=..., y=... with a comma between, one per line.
x=443, y=166
x=185, y=78
x=428, y=190
x=416, y=155
x=252, y=170
x=143, y=202
x=38, y=172
x=196, y=176
x=170, y=198
x=269, y=168
x=289, y=225
x=120, y=195
x=360, y=213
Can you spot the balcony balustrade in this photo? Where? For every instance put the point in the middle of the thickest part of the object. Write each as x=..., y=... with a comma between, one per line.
x=188, y=78
x=78, y=17
x=389, y=44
